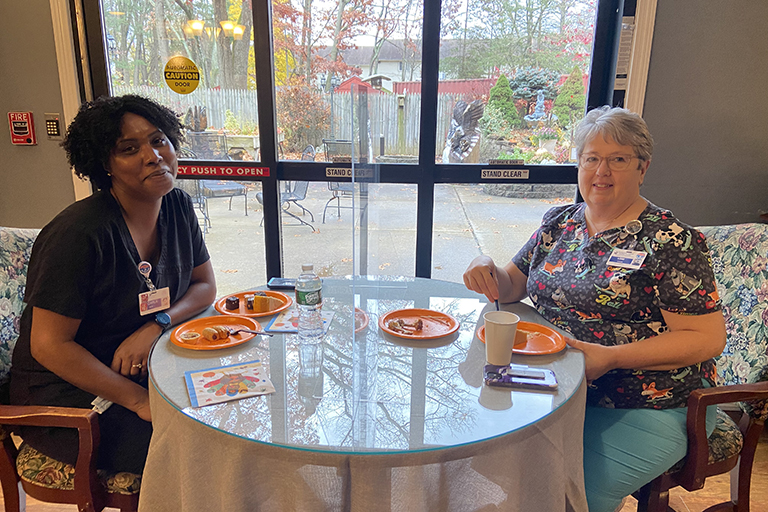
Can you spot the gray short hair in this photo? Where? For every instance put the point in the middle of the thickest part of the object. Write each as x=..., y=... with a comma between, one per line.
x=618, y=124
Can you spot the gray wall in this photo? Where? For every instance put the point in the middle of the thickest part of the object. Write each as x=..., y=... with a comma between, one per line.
x=35, y=181
x=707, y=107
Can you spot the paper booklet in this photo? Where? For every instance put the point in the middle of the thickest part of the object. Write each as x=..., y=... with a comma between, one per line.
x=224, y=383
x=288, y=321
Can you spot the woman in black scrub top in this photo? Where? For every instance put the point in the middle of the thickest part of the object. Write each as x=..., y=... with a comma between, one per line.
x=635, y=288
x=107, y=276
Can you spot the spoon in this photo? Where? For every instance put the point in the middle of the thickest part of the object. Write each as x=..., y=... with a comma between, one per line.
x=497, y=300
x=232, y=332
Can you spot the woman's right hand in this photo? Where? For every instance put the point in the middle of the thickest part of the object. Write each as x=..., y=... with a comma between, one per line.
x=481, y=277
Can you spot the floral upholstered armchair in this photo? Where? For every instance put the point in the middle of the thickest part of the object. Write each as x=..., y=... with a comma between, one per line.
x=740, y=262
x=41, y=476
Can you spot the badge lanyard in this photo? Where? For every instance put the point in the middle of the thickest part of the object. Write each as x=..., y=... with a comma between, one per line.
x=145, y=268
x=154, y=300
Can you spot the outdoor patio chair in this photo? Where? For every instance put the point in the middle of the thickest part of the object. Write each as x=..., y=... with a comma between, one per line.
x=195, y=191
x=292, y=193
x=202, y=190
x=742, y=377
x=343, y=190
x=208, y=145
x=22, y=467
x=336, y=148
x=308, y=155
x=221, y=188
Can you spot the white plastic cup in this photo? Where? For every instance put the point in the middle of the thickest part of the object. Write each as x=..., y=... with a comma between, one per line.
x=500, y=330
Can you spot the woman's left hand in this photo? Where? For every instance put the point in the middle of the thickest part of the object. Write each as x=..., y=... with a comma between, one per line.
x=597, y=359
x=130, y=359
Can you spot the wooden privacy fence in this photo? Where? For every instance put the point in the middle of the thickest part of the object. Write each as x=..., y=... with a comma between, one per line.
x=398, y=124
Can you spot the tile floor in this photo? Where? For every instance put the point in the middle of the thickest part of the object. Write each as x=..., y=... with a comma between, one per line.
x=714, y=491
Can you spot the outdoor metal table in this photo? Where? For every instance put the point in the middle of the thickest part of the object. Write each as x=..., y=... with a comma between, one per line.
x=375, y=423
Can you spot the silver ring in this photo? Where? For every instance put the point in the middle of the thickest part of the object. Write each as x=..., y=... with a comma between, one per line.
x=139, y=366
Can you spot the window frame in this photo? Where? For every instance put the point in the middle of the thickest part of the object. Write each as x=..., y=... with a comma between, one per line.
x=425, y=175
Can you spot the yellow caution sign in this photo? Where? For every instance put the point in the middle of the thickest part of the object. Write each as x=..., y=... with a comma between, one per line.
x=181, y=75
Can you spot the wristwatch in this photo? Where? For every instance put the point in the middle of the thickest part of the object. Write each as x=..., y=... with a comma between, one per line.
x=163, y=320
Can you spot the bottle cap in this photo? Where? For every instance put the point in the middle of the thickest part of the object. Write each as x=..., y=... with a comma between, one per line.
x=307, y=266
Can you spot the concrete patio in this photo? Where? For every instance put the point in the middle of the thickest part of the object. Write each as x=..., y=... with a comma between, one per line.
x=467, y=222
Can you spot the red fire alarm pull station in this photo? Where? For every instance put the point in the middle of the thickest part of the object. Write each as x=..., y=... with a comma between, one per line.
x=22, y=128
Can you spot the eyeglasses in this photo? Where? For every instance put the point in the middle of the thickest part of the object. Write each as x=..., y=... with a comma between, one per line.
x=591, y=161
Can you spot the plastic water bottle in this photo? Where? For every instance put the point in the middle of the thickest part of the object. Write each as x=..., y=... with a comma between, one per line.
x=309, y=300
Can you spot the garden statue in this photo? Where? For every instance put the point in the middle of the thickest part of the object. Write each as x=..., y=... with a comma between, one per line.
x=464, y=132
x=196, y=121
x=539, y=114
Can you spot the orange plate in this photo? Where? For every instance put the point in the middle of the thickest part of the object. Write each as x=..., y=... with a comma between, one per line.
x=229, y=321
x=361, y=319
x=538, y=339
x=436, y=323
x=243, y=311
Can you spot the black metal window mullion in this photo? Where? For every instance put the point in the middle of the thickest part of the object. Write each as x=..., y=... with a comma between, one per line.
x=430, y=66
x=97, y=49
x=605, y=50
x=265, y=91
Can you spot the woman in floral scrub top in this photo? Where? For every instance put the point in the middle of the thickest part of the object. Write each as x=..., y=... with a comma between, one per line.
x=634, y=287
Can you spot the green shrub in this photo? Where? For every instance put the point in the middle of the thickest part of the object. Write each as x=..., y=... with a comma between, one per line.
x=236, y=126
x=493, y=124
x=501, y=98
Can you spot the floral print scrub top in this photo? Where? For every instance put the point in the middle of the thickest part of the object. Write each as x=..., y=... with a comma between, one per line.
x=572, y=286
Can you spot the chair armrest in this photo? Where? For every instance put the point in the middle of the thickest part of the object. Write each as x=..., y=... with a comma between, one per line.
x=698, y=445
x=86, y=421
x=45, y=416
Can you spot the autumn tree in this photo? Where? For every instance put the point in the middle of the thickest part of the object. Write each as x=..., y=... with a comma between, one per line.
x=571, y=100
x=302, y=114
x=499, y=36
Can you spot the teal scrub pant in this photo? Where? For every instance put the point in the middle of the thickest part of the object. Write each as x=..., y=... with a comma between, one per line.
x=625, y=449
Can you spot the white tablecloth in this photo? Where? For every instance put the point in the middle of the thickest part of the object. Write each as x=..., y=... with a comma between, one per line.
x=385, y=428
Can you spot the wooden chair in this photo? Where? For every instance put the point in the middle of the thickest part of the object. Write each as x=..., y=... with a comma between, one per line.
x=742, y=372
x=23, y=467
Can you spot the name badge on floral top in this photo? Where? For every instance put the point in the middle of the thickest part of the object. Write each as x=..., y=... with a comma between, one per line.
x=624, y=258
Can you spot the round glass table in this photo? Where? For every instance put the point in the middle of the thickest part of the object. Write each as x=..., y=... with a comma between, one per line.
x=369, y=421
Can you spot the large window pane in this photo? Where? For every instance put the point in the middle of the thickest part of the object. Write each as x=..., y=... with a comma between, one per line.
x=220, y=115
x=365, y=228
x=230, y=216
x=492, y=219
x=326, y=53
x=513, y=78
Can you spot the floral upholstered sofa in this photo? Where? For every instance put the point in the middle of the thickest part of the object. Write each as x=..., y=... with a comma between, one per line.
x=33, y=466
x=740, y=262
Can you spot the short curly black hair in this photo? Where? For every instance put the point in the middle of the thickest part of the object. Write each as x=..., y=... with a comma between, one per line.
x=93, y=134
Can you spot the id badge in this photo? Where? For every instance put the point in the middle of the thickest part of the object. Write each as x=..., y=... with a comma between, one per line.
x=154, y=301
x=624, y=258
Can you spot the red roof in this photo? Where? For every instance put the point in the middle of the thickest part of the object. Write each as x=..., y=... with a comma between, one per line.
x=346, y=85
